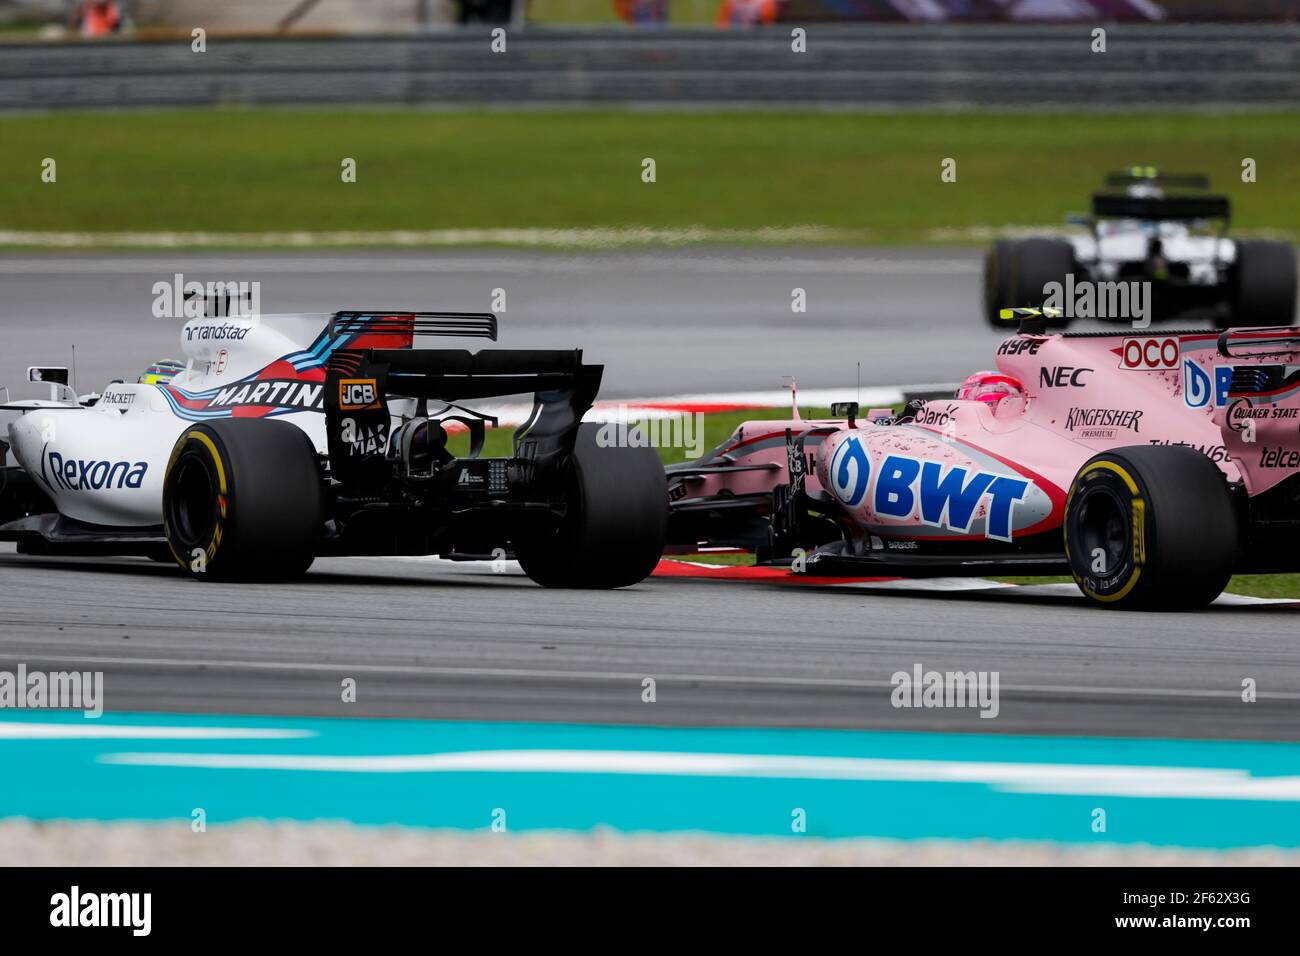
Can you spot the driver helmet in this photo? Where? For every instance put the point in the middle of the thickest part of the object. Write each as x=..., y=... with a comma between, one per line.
x=162, y=372
x=989, y=387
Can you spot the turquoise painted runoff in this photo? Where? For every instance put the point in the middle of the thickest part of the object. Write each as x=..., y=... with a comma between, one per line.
x=574, y=777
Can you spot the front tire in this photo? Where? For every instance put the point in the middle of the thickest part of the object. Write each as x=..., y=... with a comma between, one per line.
x=243, y=500
x=616, y=524
x=998, y=294
x=1150, y=527
x=1036, y=263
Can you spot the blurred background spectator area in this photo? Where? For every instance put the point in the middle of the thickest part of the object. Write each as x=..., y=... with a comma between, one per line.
x=71, y=19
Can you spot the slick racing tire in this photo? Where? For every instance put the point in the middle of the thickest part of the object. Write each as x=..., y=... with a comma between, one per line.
x=1150, y=527
x=998, y=294
x=1037, y=262
x=243, y=500
x=1264, y=284
x=613, y=532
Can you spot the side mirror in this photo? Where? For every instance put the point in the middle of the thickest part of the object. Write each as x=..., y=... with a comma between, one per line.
x=847, y=410
x=56, y=377
x=53, y=376
x=1031, y=321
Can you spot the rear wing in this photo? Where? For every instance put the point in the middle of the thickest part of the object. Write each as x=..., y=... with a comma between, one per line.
x=359, y=383
x=1181, y=208
x=1259, y=412
x=454, y=374
x=1148, y=174
x=1260, y=343
x=388, y=322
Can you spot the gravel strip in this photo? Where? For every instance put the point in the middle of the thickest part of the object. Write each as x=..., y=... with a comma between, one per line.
x=260, y=843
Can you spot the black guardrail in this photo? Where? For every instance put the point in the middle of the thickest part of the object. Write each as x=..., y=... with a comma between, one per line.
x=849, y=66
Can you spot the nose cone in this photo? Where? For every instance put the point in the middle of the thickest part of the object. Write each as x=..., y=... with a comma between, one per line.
x=25, y=436
x=29, y=434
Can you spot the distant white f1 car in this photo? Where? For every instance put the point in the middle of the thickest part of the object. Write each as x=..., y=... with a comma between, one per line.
x=291, y=436
x=1144, y=234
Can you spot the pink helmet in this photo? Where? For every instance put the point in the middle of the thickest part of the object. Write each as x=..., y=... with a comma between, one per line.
x=989, y=387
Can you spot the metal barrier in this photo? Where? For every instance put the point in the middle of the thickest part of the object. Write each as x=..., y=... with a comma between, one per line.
x=845, y=66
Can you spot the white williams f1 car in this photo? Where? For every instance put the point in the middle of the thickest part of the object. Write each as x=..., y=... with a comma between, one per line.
x=286, y=437
x=1142, y=236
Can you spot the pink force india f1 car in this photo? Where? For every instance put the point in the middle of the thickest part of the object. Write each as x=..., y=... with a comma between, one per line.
x=1152, y=467
x=285, y=437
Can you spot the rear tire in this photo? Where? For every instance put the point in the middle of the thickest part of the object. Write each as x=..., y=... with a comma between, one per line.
x=1158, y=524
x=615, y=529
x=243, y=500
x=1264, y=284
x=1036, y=263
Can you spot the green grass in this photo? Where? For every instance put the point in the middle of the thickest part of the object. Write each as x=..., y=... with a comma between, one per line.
x=587, y=12
x=497, y=442
x=1266, y=585
x=720, y=425
x=20, y=31
x=743, y=559
x=876, y=177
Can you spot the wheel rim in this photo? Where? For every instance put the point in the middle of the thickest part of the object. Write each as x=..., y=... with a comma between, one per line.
x=1101, y=521
x=192, y=502
x=1104, y=525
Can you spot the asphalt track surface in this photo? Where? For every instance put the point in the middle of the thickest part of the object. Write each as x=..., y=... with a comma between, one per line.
x=688, y=320
x=424, y=640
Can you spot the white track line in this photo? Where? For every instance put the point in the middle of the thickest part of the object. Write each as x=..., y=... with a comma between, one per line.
x=1120, y=780
x=526, y=673
x=467, y=263
x=1227, y=599
x=596, y=238
x=611, y=237
x=102, y=731
x=670, y=406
